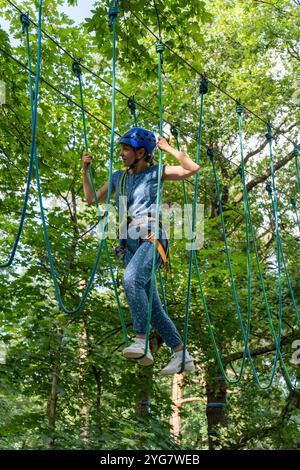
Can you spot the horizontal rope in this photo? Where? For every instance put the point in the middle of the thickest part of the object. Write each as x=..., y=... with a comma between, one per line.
x=138, y=103
x=209, y=80
x=216, y=405
x=99, y=120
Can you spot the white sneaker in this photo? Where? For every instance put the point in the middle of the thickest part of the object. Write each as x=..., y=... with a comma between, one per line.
x=174, y=366
x=136, y=350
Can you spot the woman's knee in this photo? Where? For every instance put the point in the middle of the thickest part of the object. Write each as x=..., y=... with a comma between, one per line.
x=130, y=279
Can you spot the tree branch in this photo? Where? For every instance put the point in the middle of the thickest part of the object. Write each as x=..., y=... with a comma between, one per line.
x=280, y=10
x=277, y=132
x=260, y=179
x=293, y=54
x=292, y=400
x=263, y=350
x=188, y=400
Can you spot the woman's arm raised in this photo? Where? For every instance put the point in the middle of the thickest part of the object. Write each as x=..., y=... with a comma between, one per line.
x=177, y=172
x=87, y=187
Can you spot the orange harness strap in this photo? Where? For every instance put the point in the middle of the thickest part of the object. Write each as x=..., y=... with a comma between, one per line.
x=160, y=249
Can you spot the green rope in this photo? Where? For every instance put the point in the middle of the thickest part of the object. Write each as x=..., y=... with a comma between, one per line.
x=203, y=91
x=277, y=340
x=78, y=72
x=294, y=205
x=296, y=155
x=293, y=200
x=163, y=292
x=25, y=25
x=232, y=282
x=185, y=198
x=159, y=49
x=174, y=132
x=280, y=255
x=25, y=28
x=48, y=248
x=122, y=192
x=207, y=315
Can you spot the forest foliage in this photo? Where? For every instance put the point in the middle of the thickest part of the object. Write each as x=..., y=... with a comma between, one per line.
x=64, y=383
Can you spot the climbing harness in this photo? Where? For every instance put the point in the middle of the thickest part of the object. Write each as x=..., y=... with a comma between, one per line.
x=160, y=249
x=166, y=258
x=137, y=221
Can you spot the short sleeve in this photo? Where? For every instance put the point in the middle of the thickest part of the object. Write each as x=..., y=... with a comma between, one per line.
x=156, y=171
x=115, y=179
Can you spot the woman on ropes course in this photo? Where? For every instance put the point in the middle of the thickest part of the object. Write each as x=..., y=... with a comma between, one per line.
x=138, y=183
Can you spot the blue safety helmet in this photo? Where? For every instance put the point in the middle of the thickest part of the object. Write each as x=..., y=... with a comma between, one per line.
x=139, y=137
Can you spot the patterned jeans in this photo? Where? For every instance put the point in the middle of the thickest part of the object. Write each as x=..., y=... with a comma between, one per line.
x=137, y=281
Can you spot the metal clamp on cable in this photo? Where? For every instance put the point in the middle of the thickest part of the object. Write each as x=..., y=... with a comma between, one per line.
x=239, y=107
x=269, y=189
x=211, y=154
x=160, y=47
x=269, y=135
x=113, y=13
x=77, y=69
x=203, y=85
x=24, y=18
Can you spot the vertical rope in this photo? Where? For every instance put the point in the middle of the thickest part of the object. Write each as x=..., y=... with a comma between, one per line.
x=280, y=255
x=78, y=72
x=33, y=113
x=207, y=315
x=248, y=221
x=159, y=49
x=112, y=18
x=210, y=153
x=294, y=206
x=203, y=90
x=296, y=155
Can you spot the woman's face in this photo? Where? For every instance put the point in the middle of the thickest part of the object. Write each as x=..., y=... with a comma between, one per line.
x=129, y=154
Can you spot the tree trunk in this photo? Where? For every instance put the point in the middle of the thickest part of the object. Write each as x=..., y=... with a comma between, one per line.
x=57, y=353
x=216, y=391
x=53, y=401
x=84, y=409
x=54, y=385
x=177, y=396
x=96, y=373
x=178, y=401
x=145, y=381
x=83, y=351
